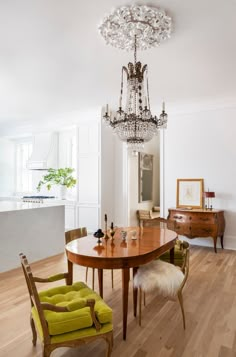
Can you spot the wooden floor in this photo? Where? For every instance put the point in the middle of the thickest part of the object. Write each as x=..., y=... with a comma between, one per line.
x=209, y=300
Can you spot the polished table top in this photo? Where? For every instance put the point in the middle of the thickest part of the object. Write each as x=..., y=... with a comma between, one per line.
x=150, y=242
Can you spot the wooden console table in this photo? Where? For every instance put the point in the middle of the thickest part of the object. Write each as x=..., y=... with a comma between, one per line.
x=199, y=223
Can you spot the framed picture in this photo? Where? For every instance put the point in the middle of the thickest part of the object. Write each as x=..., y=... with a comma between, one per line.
x=145, y=177
x=189, y=193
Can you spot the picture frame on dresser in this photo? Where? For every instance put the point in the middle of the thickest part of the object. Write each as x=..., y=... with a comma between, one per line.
x=190, y=193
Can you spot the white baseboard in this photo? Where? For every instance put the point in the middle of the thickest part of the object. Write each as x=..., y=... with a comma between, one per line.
x=229, y=242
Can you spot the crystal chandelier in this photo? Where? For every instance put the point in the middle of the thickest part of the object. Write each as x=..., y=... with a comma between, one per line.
x=131, y=28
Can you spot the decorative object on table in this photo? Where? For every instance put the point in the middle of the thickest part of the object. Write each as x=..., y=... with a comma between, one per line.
x=99, y=234
x=208, y=195
x=106, y=235
x=145, y=171
x=112, y=232
x=62, y=177
x=131, y=28
x=123, y=235
x=189, y=193
x=133, y=235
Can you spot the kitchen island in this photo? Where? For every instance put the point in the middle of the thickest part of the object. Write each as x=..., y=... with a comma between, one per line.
x=34, y=229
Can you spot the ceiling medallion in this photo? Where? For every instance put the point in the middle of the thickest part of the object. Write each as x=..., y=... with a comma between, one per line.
x=131, y=28
x=149, y=24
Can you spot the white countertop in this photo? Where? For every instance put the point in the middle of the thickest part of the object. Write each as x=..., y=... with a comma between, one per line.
x=7, y=206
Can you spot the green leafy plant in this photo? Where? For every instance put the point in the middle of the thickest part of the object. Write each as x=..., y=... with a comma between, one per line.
x=58, y=177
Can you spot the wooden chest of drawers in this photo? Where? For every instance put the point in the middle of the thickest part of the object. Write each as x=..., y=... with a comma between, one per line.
x=199, y=223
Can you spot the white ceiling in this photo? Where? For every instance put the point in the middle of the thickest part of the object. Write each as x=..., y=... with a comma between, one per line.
x=53, y=61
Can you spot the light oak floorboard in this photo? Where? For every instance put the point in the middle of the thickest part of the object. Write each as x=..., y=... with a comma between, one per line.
x=209, y=301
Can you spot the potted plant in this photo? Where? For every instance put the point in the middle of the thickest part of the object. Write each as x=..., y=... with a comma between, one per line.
x=62, y=177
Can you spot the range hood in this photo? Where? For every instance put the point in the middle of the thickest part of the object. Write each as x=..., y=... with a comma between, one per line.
x=44, y=153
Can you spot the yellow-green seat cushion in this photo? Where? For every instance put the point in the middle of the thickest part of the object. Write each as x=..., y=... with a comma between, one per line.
x=178, y=255
x=73, y=297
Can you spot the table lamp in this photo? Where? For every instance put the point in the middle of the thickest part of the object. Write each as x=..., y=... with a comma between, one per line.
x=209, y=195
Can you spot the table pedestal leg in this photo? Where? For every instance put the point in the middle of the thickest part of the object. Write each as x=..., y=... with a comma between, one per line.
x=69, y=280
x=125, y=292
x=135, y=293
x=100, y=281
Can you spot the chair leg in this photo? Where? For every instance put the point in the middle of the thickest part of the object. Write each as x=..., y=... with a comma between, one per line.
x=140, y=307
x=34, y=333
x=144, y=299
x=46, y=351
x=93, y=278
x=109, y=341
x=86, y=275
x=112, y=279
x=180, y=297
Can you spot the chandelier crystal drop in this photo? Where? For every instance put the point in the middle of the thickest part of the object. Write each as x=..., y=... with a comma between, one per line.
x=131, y=28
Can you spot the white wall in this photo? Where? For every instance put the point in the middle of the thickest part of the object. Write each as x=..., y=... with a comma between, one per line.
x=7, y=159
x=151, y=147
x=202, y=145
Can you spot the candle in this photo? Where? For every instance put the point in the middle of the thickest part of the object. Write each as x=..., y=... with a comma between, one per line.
x=105, y=217
x=107, y=108
x=120, y=102
x=145, y=101
x=163, y=106
x=112, y=226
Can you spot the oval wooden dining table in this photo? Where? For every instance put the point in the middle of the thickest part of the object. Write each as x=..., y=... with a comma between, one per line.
x=150, y=243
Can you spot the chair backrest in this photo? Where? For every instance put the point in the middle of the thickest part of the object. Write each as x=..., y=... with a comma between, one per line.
x=75, y=233
x=185, y=266
x=160, y=222
x=34, y=297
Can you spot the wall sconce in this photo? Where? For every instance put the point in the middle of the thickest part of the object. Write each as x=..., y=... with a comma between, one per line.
x=209, y=195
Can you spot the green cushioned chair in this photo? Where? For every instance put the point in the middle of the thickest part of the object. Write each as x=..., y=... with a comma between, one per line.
x=179, y=256
x=68, y=315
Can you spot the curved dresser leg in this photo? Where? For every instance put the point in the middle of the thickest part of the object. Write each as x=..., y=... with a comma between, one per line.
x=221, y=241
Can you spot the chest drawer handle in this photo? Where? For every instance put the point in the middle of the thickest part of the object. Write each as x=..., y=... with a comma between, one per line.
x=204, y=219
x=178, y=217
x=206, y=230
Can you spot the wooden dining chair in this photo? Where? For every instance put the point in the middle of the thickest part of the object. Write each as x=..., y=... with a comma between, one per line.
x=75, y=234
x=79, y=233
x=66, y=315
x=165, y=278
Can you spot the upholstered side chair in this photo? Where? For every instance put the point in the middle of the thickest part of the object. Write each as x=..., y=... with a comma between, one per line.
x=79, y=233
x=165, y=278
x=67, y=315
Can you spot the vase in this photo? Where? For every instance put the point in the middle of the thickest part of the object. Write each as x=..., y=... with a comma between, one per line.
x=63, y=191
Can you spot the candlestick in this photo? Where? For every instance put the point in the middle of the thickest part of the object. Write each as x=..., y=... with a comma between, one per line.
x=106, y=235
x=163, y=106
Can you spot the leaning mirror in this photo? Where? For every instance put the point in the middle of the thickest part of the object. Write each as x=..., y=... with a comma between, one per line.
x=145, y=177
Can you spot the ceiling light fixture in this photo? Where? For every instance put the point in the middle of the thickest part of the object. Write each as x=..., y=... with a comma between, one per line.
x=131, y=28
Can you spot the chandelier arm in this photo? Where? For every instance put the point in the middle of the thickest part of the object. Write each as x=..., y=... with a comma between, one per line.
x=135, y=69
x=147, y=89
x=122, y=86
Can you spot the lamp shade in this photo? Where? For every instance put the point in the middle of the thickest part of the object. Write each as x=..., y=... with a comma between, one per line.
x=208, y=194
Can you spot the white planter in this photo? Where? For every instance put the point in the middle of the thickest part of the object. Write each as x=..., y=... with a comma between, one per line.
x=63, y=192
